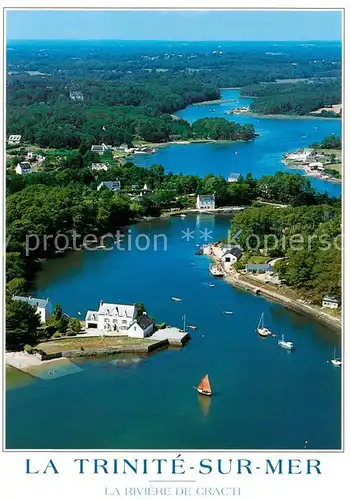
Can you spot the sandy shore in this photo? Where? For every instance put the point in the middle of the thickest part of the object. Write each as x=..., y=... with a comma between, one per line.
x=50, y=369
x=236, y=280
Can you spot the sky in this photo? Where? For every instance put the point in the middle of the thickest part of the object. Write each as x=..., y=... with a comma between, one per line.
x=174, y=25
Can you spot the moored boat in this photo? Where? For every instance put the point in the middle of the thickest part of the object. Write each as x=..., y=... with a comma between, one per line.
x=193, y=327
x=286, y=344
x=204, y=386
x=176, y=299
x=336, y=361
x=216, y=271
x=261, y=329
x=228, y=312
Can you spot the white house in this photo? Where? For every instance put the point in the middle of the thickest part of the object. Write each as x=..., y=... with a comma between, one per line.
x=100, y=149
x=43, y=306
x=23, y=168
x=231, y=255
x=233, y=177
x=30, y=155
x=14, y=139
x=111, y=318
x=76, y=95
x=142, y=327
x=331, y=302
x=205, y=202
x=40, y=158
x=305, y=155
x=99, y=166
x=111, y=185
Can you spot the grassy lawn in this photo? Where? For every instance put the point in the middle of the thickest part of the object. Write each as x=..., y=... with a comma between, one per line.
x=75, y=343
x=335, y=166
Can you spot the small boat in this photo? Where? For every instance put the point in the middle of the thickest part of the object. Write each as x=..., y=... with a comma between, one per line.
x=211, y=285
x=183, y=216
x=204, y=386
x=193, y=327
x=286, y=344
x=176, y=299
x=211, y=110
x=261, y=330
x=216, y=271
x=227, y=312
x=236, y=153
x=336, y=361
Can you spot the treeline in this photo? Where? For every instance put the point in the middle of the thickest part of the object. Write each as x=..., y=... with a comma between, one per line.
x=113, y=115
x=294, y=98
x=219, y=64
x=329, y=142
x=309, y=239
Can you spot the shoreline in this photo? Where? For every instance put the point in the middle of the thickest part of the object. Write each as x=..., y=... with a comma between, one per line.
x=332, y=180
x=291, y=304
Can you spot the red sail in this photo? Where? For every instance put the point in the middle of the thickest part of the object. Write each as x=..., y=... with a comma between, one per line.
x=205, y=384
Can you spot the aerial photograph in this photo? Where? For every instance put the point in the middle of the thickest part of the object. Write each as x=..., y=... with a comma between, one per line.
x=173, y=230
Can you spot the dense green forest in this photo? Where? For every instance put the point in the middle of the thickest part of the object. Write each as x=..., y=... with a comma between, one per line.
x=308, y=236
x=294, y=98
x=130, y=89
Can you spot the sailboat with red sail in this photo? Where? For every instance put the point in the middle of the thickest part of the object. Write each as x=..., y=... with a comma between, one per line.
x=204, y=386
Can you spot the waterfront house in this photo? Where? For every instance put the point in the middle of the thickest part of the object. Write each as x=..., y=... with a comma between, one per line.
x=231, y=255
x=316, y=165
x=110, y=185
x=23, y=168
x=330, y=302
x=99, y=166
x=233, y=177
x=14, y=139
x=205, y=202
x=266, y=268
x=43, y=306
x=142, y=327
x=112, y=318
x=145, y=191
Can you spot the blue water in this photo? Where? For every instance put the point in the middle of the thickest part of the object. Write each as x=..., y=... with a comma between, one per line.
x=262, y=156
x=264, y=397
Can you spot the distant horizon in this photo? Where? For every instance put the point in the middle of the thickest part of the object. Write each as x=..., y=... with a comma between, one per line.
x=164, y=41
x=175, y=25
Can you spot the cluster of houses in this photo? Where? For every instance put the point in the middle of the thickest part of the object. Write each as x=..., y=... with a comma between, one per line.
x=109, y=319
x=25, y=167
x=312, y=161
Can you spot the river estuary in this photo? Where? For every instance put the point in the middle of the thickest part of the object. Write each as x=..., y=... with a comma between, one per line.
x=264, y=397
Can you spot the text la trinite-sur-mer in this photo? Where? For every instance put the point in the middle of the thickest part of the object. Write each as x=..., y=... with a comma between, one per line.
x=178, y=466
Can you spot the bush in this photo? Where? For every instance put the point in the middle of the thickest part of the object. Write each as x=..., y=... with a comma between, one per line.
x=56, y=335
x=28, y=348
x=161, y=326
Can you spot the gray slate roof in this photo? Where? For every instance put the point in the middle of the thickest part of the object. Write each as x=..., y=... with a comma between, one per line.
x=32, y=301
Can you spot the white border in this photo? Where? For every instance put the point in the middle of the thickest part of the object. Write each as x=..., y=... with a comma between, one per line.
x=335, y=461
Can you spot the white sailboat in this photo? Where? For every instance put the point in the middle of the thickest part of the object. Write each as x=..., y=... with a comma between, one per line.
x=261, y=330
x=336, y=361
x=287, y=344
